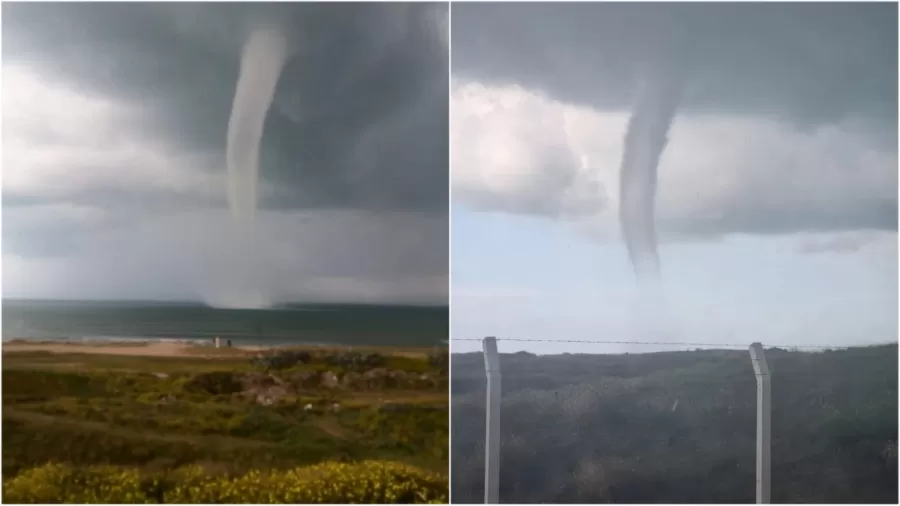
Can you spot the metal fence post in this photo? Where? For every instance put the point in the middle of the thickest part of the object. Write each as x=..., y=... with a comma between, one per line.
x=763, y=424
x=492, y=422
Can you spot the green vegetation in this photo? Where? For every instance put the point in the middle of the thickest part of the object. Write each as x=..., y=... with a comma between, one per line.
x=680, y=427
x=359, y=483
x=233, y=414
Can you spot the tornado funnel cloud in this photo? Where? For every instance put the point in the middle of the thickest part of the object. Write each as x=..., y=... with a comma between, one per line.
x=264, y=55
x=645, y=140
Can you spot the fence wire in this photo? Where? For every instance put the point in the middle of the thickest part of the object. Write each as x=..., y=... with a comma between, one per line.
x=662, y=343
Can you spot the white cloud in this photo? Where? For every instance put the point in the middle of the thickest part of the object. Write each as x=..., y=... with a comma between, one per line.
x=520, y=152
x=58, y=140
x=512, y=151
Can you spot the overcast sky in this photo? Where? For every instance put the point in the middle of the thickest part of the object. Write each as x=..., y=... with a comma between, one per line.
x=114, y=180
x=777, y=193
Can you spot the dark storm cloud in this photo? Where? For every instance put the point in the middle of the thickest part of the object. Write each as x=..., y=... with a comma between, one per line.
x=115, y=125
x=809, y=63
x=300, y=255
x=824, y=74
x=356, y=67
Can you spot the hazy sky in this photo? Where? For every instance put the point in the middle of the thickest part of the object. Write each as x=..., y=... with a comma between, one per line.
x=114, y=126
x=777, y=193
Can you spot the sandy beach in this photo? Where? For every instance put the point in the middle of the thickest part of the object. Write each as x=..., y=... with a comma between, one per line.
x=180, y=349
x=146, y=349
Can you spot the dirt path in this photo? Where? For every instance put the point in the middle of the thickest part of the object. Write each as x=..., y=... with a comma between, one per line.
x=332, y=428
x=397, y=397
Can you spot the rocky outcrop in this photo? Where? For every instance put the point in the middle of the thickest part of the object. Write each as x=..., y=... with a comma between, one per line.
x=329, y=380
x=268, y=396
x=374, y=379
x=264, y=389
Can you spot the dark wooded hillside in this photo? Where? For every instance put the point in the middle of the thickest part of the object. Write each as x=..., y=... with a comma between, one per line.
x=680, y=427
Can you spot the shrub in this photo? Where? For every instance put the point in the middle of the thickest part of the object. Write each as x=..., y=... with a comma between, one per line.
x=356, y=361
x=215, y=383
x=364, y=482
x=57, y=483
x=27, y=444
x=282, y=359
x=409, y=427
x=439, y=359
x=25, y=385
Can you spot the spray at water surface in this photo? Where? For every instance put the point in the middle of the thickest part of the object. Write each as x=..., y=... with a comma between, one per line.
x=264, y=56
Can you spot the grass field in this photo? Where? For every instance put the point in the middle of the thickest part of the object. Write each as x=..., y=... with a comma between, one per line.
x=166, y=423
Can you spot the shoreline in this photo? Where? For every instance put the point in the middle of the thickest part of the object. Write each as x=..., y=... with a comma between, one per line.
x=179, y=347
x=138, y=348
